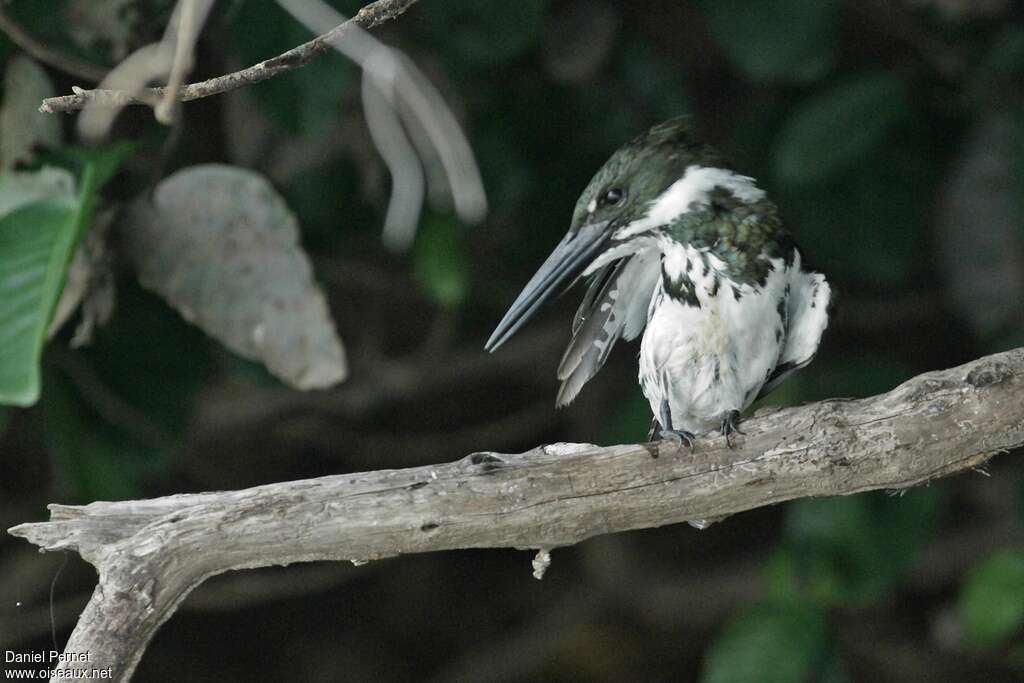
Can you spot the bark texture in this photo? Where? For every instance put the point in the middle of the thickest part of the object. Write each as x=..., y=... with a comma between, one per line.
x=150, y=554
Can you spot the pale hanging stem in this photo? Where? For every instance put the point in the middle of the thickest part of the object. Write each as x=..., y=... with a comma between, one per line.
x=153, y=62
x=147, y=63
x=445, y=134
x=407, y=179
x=192, y=15
x=414, y=102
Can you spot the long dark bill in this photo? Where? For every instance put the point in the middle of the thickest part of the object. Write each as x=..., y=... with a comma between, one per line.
x=572, y=255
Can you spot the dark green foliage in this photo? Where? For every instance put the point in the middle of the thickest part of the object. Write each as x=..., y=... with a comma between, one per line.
x=840, y=127
x=852, y=549
x=97, y=461
x=135, y=345
x=104, y=161
x=304, y=101
x=868, y=224
x=786, y=40
x=775, y=642
x=992, y=599
x=486, y=33
x=852, y=116
x=440, y=262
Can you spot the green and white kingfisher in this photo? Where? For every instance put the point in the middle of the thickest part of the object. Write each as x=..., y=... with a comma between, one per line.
x=681, y=247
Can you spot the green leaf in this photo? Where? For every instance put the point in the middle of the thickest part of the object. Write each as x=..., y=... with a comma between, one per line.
x=835, y=129
x=37, y=240
x=94, y=459
x=852, y=549
x=103, y=160
x=131, y=355
x=992, y=600
x=783, y=40
x=440, y=262
x=777, y=642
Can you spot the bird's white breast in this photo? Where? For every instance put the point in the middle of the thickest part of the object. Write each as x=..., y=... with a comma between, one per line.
x=713, y=358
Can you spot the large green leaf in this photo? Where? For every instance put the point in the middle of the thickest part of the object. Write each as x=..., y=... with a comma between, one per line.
x=992, y=601
x=779, y=642
x=37, y=239
x=105, y=160
x=783, y=40
x=95, y=459
x=835, y=129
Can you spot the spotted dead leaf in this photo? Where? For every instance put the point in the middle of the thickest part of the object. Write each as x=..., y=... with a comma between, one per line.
x=220, y=245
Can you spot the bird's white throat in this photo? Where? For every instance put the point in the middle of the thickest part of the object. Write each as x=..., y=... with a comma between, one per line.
x=690, y=192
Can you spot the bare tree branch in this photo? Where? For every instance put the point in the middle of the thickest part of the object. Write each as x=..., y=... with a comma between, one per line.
x=150, y=554
x=374, y=14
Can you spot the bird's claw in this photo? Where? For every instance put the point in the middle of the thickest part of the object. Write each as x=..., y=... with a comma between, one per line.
x=679, y=437
x=730, y=426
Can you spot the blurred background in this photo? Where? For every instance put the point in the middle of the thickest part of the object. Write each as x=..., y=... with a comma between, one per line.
x=891, y=135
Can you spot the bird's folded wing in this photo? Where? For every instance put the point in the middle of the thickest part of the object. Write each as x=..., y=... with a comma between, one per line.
x=615, y=306
x=807, y=312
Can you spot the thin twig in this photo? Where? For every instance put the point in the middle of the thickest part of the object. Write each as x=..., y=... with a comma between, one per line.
x=150, y=554
x=70, y=65
x=372, y=15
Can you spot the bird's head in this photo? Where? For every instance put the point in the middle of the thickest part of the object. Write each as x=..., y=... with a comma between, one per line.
x=638, y=173
x=645, y=184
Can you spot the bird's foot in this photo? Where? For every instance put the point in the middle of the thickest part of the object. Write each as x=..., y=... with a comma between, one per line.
x=730, y=426
x=678, y=436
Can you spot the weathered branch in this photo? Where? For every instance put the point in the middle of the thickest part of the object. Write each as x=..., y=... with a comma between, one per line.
x=150, y=554
x=374, y=14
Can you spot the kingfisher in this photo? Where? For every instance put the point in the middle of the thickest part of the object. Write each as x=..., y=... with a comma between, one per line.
x=678, y=246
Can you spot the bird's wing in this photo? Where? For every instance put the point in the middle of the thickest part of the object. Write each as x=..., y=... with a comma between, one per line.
x=615, y=306
x=807, y=312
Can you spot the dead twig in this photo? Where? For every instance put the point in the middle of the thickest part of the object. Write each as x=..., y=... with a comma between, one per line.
x=372, y=15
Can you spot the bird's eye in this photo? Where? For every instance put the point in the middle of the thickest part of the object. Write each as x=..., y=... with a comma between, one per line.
x=614, y=196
